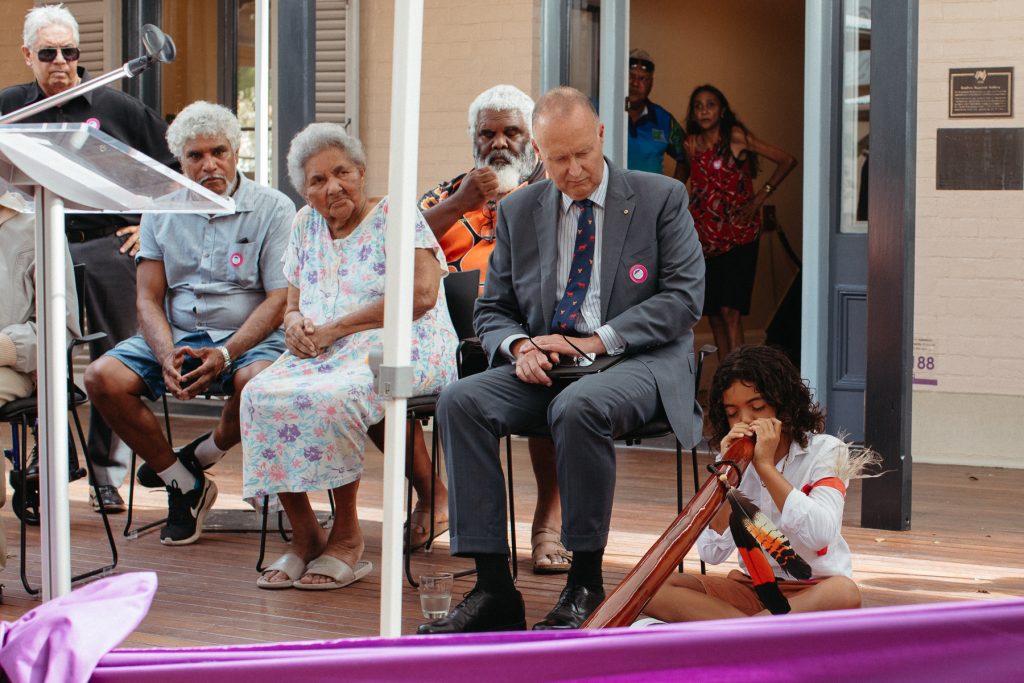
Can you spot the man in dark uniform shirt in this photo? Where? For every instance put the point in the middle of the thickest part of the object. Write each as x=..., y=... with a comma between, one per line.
x=106, y=244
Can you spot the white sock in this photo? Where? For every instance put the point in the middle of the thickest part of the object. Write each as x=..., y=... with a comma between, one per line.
x=207, y=452
x=178, y=476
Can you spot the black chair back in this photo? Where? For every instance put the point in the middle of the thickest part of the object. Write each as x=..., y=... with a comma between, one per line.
x=460, y=289
x=80, y=293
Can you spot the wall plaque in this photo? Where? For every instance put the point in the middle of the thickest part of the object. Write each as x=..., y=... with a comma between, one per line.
x=981, y=93
x=979, y=159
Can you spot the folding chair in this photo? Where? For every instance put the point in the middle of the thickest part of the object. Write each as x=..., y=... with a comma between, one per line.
x=460, y=290
x=22, y=414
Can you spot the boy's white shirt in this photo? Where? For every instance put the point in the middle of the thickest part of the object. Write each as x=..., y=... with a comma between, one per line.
x=811, y=521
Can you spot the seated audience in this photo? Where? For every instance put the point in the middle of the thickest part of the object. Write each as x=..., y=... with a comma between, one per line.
x=305, y=419
x=462, y=212
x=798, y=478
x=210, y=301
x=18, y=316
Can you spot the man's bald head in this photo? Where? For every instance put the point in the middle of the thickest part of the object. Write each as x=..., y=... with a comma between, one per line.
x=569, y=138
x=562, y=102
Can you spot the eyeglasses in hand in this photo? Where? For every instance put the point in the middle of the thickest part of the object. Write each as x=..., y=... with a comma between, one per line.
x=581, y=361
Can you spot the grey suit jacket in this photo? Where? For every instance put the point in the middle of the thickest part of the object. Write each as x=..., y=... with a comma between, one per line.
x=647, y=227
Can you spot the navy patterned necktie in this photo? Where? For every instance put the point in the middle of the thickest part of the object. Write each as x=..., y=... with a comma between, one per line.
x=567, y=313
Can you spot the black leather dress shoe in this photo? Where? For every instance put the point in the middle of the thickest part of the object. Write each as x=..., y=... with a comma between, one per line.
x=573, y=607
x=111, y=497
x=481, y=611
x=75, y=471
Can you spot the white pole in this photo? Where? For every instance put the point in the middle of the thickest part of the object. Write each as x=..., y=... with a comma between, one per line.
x=352, y=67
x=613, y=77
x=51, y=357
x=262, y=147
x=818, y=112
x=395, y=370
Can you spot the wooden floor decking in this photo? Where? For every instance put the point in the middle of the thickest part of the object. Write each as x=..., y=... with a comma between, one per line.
x=964, y=546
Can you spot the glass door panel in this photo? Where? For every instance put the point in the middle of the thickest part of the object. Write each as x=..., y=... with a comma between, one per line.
x=856, y=111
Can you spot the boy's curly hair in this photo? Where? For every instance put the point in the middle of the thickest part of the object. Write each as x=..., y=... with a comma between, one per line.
x=779, y=383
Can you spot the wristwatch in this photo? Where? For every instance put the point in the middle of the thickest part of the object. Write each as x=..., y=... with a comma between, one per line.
x=227, y=357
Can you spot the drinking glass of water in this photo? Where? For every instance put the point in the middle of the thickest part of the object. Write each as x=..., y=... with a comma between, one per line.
x=436, y=594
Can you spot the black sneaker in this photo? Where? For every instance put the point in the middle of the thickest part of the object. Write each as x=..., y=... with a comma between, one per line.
x=147, y=476
x=186, y=512
x=111, y=497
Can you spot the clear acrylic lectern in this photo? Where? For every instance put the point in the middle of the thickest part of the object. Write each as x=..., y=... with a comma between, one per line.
x=73, y=167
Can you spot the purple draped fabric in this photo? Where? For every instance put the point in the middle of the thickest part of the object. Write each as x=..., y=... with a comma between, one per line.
x=975, y=641
x=63, y=639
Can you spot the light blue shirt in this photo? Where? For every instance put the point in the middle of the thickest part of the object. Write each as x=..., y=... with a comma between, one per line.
x=220, y=268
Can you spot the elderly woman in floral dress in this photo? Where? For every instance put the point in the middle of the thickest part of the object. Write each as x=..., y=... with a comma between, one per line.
x=305, y=418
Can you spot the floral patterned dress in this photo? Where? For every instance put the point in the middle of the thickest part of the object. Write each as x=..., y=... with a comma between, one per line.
x=304, y=421
x=720, y=187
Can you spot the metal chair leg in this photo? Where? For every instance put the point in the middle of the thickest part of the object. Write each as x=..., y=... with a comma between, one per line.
x=514, y=556
x=696, y=487
x=429, y=545
x=23, y=570
x=96, y=491
x=435, y=469
x=679, y=486
x=407, y=551
x=130, y=533
x=23, y=457
x=263, y=534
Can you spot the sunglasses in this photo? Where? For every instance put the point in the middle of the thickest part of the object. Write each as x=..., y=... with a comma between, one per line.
x=48, y=54
x=644, y=64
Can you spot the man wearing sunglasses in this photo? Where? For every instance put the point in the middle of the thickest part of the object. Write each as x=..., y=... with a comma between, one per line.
x=653, y=131
x=106, y=244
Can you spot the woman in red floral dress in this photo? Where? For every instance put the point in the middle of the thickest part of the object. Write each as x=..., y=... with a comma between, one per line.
x=723, y=160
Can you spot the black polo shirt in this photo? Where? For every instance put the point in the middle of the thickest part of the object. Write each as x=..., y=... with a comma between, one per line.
x=117, y=114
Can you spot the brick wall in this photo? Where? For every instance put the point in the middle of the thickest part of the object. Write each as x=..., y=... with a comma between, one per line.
x=970, y=244
x=468, y=46
x=12, y=64
x=969, y=291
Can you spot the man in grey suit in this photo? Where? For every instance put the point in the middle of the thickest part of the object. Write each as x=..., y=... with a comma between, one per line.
x=596, y=261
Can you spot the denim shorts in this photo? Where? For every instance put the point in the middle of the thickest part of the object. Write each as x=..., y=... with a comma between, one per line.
x=135, y=353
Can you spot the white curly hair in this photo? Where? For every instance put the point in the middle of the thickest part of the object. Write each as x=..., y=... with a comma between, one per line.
x=315, y=138
x=501, y=98
x=48, y=15
x=202, y=119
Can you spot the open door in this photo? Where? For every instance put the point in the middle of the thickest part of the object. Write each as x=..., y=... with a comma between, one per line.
x=848, y=246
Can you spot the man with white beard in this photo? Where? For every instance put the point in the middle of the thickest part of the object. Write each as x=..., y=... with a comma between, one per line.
x=462, y=213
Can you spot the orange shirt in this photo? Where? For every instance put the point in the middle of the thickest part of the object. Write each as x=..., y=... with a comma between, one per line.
x=468, y=243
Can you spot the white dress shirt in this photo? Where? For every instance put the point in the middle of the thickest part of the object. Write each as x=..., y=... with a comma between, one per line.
x=812, y=521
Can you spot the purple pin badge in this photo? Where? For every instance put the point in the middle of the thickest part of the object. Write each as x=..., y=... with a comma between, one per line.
x=236, y=259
